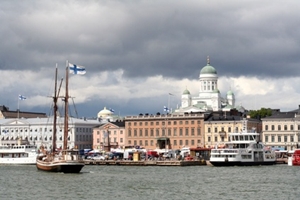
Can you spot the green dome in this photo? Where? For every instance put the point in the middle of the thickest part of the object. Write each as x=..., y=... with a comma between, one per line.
x=208, y=69
x=229, y=92
x=186, y=92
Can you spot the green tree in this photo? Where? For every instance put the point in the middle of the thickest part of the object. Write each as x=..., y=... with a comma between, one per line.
x=263, y=112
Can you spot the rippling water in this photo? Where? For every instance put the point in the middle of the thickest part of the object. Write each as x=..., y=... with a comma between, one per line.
x=136, y=182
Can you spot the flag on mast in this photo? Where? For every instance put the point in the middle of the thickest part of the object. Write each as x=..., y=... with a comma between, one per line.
x=76, y=69
x=21, y=97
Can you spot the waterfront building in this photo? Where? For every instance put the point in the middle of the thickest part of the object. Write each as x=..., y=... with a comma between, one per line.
x=281, y=130
x=219, y=124
x=209, y=97
x=165, y=131
x=38, y=131
x=109, y=135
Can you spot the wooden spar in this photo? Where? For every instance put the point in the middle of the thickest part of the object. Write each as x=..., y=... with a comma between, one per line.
x=55, y=108
x=54, y=113
x=66, y=120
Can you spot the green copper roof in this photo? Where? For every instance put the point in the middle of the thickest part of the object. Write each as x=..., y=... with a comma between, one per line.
x=208, y=69
x=229, y=92
x=186, y=92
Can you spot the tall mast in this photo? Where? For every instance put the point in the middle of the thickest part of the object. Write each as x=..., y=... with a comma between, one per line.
x=66, y=126
x=54, y=113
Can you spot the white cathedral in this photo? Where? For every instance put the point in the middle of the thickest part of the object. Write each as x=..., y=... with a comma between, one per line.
x=209, y=98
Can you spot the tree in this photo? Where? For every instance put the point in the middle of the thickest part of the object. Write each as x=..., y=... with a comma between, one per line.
x=263, y=112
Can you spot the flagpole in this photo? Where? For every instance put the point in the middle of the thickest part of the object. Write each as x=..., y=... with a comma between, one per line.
x=18, y=109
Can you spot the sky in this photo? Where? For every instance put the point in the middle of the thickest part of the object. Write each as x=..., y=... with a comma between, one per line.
x=136, y=52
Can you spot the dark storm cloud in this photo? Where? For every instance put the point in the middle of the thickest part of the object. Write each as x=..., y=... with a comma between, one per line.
x=146, y=38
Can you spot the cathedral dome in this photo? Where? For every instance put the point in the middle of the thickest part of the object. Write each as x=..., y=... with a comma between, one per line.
x=186, y=92
x=104, y=113
x=208, y=69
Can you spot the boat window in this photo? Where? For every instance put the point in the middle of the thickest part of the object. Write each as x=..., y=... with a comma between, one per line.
x=237, y=138
x=246, y=137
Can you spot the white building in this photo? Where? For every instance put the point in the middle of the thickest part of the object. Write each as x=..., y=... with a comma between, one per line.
x=39, y=131
x=209, y=97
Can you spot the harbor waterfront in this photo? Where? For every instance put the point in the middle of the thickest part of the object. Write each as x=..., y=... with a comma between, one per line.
x=134, y=182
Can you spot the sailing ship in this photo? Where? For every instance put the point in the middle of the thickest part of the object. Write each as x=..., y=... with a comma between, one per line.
x=65, y=160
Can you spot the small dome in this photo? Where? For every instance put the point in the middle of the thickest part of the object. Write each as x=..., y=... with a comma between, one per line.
x=230, y=92
x=186, y=92
x=208, y=69
x=216, y=91
x=104, y=113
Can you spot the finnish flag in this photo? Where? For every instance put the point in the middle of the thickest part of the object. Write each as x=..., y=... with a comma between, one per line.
x=22, y=97
x=76, y=69
x=166, y=109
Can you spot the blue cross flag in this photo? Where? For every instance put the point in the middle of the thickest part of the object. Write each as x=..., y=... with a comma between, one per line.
x=166, y=109
x=21, y=97
x=76, y=69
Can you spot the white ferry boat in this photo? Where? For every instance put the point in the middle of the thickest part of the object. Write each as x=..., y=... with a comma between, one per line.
x=242, y=149
x=17, y=154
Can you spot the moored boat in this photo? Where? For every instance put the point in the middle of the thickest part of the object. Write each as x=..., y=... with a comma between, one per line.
x=242, y=149
x=17, y=153
x=66, y=160
x=296, y=158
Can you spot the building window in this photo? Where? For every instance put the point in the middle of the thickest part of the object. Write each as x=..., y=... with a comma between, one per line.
x=121, y=140
x=157, y=123
x=279, y=127
x=141, y=132
x=146, y=142
x=266, y=127
x=198, y=131
x=141, y=123
x=180, y=132
x=292, y=138
x=174, y=122
x=292, y=127
x=157, y=132
x=163, y=130
x=192, y=142
x=146, y=123
x=151, y=142
x=208, y=139
x=192, y=122
x=169, y=132
x=134, y=132
x=229, y=129
x=141, y=142
x=174, y=132
x=192, y=132
x=216, y=129
x=186, y=132
x=129, y=142
x=151, y=123
x=285, y=138
x=129, y=133
x=146, y=132
x=134, y=124
x=186, y=122
x=279, y=138
x=175, y=142
x=98, y=132
x=186, y=142
x=285, y=127
x=266, y=138
x=151, y=132
x=216, y=139
x=208, y=130
x=180, y=142
x=272, y=138
x=134, y=142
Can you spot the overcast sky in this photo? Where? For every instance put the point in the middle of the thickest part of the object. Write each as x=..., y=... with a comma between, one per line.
x=137, y=52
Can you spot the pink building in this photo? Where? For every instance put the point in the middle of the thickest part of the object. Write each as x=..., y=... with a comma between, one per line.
x=109, y=135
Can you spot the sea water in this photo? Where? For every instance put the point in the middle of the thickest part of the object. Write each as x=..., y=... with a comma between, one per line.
x=151, y=182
